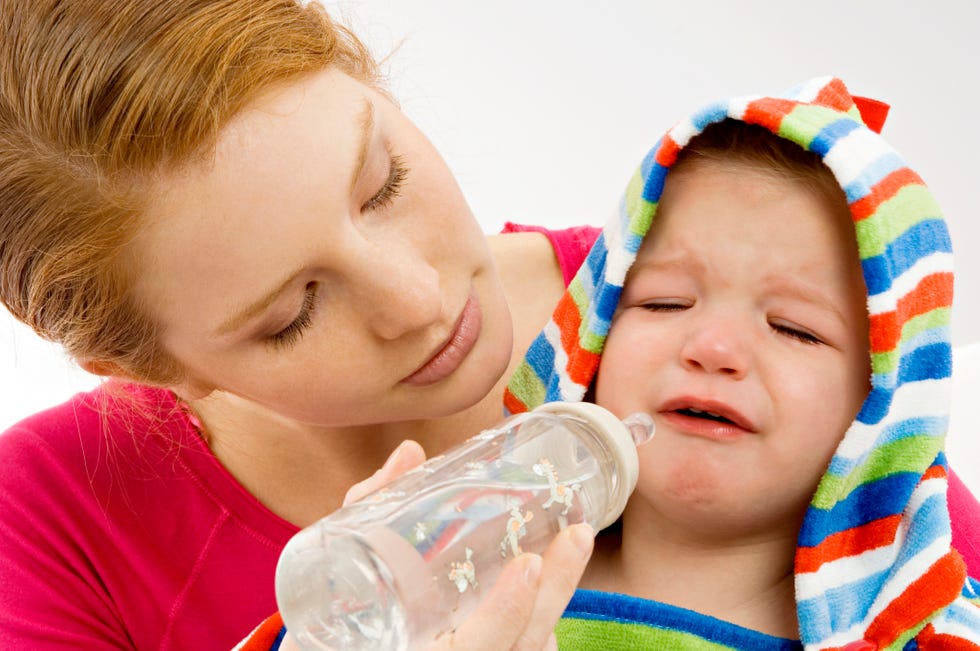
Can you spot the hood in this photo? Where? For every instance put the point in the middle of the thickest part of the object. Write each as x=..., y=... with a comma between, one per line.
x=874, y=562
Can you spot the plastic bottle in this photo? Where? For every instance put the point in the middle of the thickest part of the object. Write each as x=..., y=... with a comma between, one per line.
x=407, y=563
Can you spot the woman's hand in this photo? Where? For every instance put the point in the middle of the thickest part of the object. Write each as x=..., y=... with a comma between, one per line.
x=520, y=610
x=529, y=596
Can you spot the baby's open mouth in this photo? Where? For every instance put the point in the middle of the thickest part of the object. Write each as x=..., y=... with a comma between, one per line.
x=707, y=415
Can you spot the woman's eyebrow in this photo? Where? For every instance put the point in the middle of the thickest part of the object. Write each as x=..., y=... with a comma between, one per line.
x=248, y=313
x=365, y=119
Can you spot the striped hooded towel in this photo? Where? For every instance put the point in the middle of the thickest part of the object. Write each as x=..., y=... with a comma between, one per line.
x=874, y=564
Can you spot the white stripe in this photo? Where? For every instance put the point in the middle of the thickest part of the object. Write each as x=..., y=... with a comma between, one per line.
x=924, y=398
x=935, y=262
x=840, y=638
x=843, y=571
x=923, y=491
x=682, y=132
x=852, y=155
x=892, y=589
x=569, y=390
x=912, y=570
x=739, y=105
x=808, y=91
x=960, y=610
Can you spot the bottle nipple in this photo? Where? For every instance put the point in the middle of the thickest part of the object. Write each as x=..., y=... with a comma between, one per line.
x=640, y=426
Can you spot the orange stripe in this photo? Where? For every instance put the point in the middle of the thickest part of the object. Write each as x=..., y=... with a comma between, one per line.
x=935, y=290
x=567, y=316
x=939, y=586
x=667, y=153
x=929, y=640
x=934, y=472
x=512, y=403
x=768, y=112
x=835, y=96
x=872, y=535
x=882, y=191
x=582, y=366
x=261, y=638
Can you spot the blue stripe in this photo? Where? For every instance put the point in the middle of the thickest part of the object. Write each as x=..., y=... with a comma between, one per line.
x=878, y=169
x=932, y=362
x=541, y=358
x=876, y=405
x=278, y=641
x=653, y=184
x=877, y=499
x=839, y=608
x=650, y=159
x=593, y=605
x=930, y=522
x=926, y=237
x=926, y=337
x=830, y=134
x=709, y=115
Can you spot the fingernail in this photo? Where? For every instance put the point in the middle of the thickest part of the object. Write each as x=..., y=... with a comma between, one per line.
x=583, y=537
x=532, y=569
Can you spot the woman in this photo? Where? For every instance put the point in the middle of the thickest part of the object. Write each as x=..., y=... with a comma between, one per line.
x=215, y=205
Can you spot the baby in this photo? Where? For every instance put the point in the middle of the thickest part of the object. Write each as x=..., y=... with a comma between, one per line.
x=786, y=324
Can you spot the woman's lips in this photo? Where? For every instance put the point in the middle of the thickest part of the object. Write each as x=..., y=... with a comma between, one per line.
x=452, y=353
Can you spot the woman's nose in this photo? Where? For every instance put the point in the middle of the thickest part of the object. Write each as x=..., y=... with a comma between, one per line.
x=717, y=344
x=399, y=292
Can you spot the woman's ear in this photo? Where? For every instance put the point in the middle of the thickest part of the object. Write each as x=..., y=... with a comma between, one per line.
x=104, y=369
x=189, y=388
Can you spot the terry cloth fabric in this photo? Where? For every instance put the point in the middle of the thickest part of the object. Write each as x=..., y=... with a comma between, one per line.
x=874, y=563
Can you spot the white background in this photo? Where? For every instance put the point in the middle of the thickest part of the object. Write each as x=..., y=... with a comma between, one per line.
x=544, y=108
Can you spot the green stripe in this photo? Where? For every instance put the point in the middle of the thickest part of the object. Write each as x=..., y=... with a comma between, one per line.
x=909, y=454
x=909, y=206
x=803, y=123
x=576, y=634
x=527, y=386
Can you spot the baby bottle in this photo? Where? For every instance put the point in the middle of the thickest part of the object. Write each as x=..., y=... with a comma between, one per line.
x=410, y=561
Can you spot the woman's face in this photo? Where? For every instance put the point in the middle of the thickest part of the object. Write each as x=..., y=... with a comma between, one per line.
x=325, y=264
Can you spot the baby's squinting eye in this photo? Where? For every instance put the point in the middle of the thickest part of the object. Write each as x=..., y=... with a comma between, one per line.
x=666, y=305
x=795, y=333
x=391, y=187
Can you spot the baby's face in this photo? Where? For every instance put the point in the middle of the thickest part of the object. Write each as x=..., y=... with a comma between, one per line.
x=743, y=330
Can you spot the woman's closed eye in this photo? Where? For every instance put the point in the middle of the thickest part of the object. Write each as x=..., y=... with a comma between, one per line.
x=391, y=188
x=292, y=333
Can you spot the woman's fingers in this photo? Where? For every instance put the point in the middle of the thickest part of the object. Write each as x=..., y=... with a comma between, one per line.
x=564, y=562
x=406, y=456
x=500, y=619
x=520, y=611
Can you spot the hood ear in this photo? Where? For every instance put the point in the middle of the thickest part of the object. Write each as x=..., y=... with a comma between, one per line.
x=873, y=112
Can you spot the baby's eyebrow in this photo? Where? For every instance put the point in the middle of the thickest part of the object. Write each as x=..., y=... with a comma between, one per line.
x=805, y=292
x=686, y=262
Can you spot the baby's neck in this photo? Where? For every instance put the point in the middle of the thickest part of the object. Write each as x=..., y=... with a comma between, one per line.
x=748, y=582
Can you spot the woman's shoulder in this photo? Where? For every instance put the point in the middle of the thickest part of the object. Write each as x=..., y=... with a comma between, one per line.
x=95, y=433
x=565, y=246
